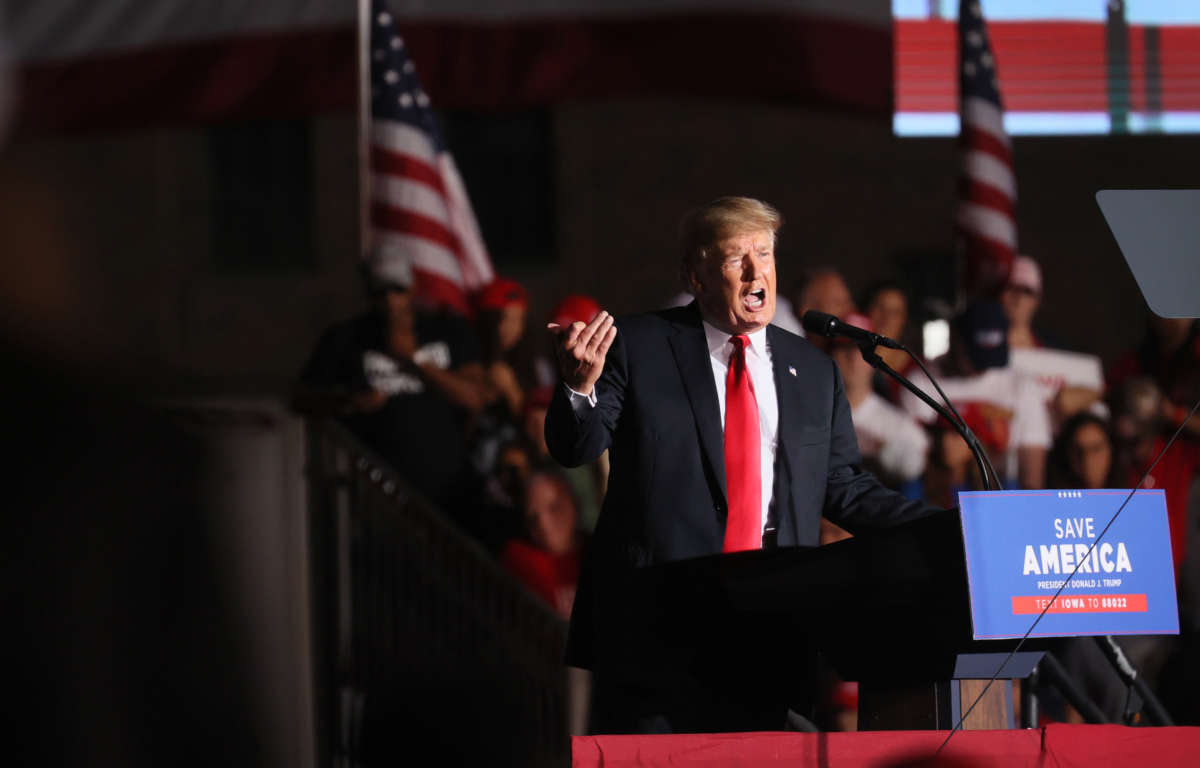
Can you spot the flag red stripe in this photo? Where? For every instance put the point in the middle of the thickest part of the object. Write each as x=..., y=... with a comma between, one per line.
x=975, y=191
x=436, y=290
x=1056, y=66
x=973, y=138
x=399, y=164
x=412, y=223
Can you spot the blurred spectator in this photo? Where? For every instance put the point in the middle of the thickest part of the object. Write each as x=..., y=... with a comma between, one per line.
x=402, y=379
x=1021, y=297
x=1140, y=428
x=500, y=323
x=547, y=559
x=506, y=486
x=823, y=289
x=533, y=422
x=886, y=305
x=950, y=468
x=891, y=441
x=1005, y=410
x=587, y=481
x=497, y=518
x=1170, y=355
x=1082, y=456
x=502, y=305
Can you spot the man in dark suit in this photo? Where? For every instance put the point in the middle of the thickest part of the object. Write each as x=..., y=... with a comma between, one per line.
x=725, y=434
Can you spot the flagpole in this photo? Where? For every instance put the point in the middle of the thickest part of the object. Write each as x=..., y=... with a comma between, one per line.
x=364, y=128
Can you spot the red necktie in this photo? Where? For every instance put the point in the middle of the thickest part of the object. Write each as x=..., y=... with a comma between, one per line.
x=743, y=480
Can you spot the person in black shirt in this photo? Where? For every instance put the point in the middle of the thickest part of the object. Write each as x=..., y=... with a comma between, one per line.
x=403, y=379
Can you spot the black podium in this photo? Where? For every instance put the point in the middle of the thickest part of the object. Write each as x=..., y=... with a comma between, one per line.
x=889, y=610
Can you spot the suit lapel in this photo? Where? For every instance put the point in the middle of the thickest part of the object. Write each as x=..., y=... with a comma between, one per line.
x=787, y=394
x=691, y=356
x=787, y=383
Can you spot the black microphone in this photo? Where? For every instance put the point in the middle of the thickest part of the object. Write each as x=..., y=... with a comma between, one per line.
x=823, y=324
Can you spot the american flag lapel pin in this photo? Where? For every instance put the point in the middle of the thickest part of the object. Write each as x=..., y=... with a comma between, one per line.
x=792, y=369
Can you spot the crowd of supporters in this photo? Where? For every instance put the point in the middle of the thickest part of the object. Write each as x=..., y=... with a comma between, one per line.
x=458, y=405
x=1049, y=417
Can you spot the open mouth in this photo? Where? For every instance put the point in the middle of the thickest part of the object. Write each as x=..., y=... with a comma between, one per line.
x=755, y=300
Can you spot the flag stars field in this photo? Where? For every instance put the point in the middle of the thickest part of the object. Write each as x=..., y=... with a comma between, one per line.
x=420, y=214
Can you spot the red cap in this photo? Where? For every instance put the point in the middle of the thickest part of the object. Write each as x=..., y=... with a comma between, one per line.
x=575, y=307
x=502, y=292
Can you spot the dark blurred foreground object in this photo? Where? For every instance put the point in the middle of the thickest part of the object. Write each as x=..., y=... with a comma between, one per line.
x=424, y=645
x=121, y=642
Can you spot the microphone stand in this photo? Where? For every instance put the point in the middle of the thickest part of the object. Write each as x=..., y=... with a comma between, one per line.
x=981, y=459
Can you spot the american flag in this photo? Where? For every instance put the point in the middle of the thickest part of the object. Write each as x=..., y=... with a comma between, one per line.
x=420, y=214
x=986, y=223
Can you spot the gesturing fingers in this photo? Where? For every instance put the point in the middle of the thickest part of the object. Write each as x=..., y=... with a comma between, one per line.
x=580, y=341
x=609, y=337
x=592, y=350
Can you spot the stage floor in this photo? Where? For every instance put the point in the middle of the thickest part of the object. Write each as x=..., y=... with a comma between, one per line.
x=1060, y=746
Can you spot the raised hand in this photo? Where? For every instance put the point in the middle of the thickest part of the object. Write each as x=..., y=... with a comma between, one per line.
x=581, y=349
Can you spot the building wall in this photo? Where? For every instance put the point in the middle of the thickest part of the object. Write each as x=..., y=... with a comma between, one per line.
x=109, y=240
x=110, y=234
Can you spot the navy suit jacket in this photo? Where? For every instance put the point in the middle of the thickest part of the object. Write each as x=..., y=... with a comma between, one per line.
x=657, y=411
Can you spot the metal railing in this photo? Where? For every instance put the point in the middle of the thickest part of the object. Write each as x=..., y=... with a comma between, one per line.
x=424, y=645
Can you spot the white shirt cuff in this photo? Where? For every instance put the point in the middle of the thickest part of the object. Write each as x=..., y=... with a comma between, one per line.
x=578, y=399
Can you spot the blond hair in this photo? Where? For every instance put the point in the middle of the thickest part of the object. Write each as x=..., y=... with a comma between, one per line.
x=702, y=228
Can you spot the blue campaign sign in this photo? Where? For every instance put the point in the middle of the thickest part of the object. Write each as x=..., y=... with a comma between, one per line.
x=1021, y=546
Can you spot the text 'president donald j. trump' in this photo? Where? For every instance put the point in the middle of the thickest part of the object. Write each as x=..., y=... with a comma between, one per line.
x=725, y=434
